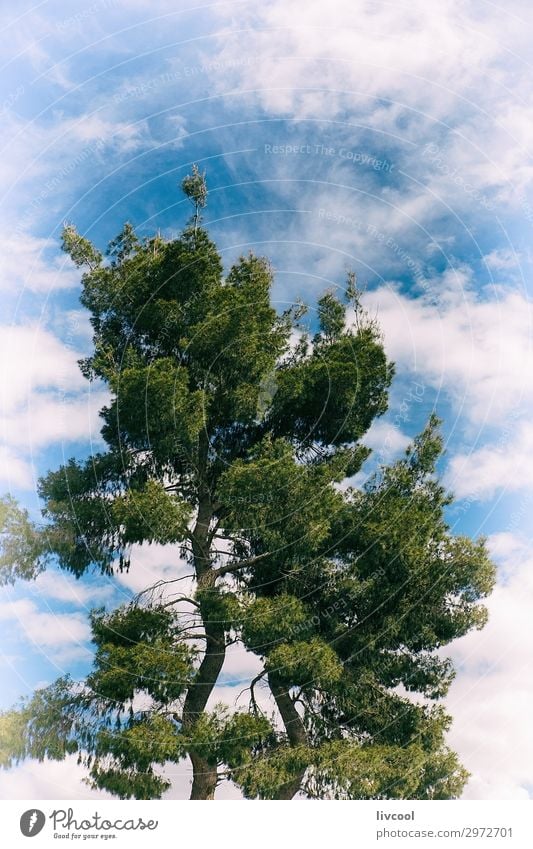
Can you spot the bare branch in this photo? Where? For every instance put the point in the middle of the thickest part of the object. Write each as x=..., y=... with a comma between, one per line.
x=181, y=598
x=256, y=680
x=158, y=585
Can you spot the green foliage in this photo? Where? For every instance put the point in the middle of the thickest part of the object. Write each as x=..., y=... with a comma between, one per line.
x=22, y=547
x=331, y=316
x=124, y=244
x=195, y=187
x=263, y=776
x=95, y=517
x=80, y=250
x=205, y=734
x=306, y=664
x=141, y=743
x=138, y=649
x=269, y=621
x=345, y=770
x=151, y=515
x=332, y=396
x=395, y=585
x=287, y=505
x=12, y=736
x=41, y=727
x=128, y=783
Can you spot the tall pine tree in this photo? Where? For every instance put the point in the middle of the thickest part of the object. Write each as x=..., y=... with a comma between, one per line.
x=229, y=440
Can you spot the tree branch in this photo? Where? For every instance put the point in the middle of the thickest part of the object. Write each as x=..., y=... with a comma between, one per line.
x=238, y=567
x=252, y=694
x=159, y=584
x=181, y=598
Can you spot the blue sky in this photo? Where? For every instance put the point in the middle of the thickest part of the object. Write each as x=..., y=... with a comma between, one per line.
x=393, y=139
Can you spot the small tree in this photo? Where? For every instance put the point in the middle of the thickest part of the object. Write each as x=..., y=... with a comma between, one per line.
x=345, y=595
x=195, y=188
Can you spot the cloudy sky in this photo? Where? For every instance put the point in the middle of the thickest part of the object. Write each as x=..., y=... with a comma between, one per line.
x=391, y=138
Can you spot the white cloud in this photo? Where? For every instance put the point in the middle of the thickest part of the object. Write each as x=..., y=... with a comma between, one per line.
x=44, y=398
x=506, y=465
x=46, y=630
x=26, y=265
x=61, y=586
x=48, y=780
x=153, y=563
x=492, y=698
x=386, y=440
x=14, y=470
x=477, y=351
x=48, y=419
x=33, y=359
x=420, y=72
x=502, y=260
x=240, y=667
x=238, y=698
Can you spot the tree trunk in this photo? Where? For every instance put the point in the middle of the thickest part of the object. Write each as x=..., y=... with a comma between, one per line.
x=204, y=782
x=205, y=775
x=295, y=732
